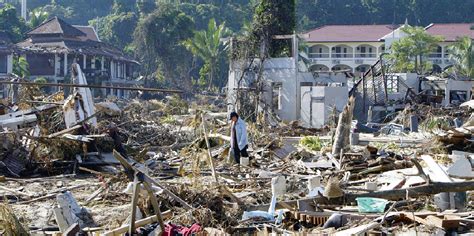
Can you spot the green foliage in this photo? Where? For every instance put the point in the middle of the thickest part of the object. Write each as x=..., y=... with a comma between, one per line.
x=462, y=53
x=78, y=11
x=273, y=17
x=11, y=24
x=37, y=17
x=21, y=68
x=312, y=143
x=315, y=13
x=157, y=42
x=207, y=45
x=116, y=29
x=409, y=51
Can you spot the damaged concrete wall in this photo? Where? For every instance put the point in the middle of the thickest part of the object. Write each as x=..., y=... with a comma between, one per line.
x=280, y=72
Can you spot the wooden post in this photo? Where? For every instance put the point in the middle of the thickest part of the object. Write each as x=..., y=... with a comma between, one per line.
x=341, y=137
x=154, y=202
x=147, y=178
x=136, y=191
x=209, y=149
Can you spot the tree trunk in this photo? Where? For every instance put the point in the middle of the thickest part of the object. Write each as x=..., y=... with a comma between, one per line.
x=343, y=130
x=211, y=75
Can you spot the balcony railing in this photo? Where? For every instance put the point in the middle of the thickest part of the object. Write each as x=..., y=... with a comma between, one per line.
x=365, y=55
x=318, y=55
x=341, y=55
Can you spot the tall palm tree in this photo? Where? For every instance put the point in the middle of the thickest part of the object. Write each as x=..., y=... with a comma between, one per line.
x=207, y=45
x=462, y=54
x=37, y=17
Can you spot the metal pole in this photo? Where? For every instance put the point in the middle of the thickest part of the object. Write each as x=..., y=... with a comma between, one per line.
x=94, y=86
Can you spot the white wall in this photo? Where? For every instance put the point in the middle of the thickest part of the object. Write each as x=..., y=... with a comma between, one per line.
x=318, y=102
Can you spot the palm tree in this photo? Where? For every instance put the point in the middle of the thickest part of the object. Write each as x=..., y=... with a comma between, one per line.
x=207, y=45
x=37, y=17
x=21, y=67
x=462, y=54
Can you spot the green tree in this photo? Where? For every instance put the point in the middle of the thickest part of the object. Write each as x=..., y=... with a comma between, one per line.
x=462, y=53
x=116, y=29
x=11, y=24
x=37, y=17
x=207, y=45
x=21, y=68
x=409, y=51
x=158, y=44
x=273, y=17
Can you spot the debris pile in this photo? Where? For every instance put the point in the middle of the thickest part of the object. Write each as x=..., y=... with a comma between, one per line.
x=74, y=165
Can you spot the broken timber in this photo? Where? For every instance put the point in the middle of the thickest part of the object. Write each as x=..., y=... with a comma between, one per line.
x=94, y=86
x=130, y=166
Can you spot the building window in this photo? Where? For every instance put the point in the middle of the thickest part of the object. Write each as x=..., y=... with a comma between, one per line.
x=3, y=63
x=276, y=96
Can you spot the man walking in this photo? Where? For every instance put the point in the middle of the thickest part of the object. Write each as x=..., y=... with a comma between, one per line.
x=238, y=135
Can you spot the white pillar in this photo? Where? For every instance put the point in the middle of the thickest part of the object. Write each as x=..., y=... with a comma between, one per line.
x=102, y=65
x=112, y=70
x=9, y=63
x=57, y=65
x=65, y=64
x=93, y=62
x=84, y=61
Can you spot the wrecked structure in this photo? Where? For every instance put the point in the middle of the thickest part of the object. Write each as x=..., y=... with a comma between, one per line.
x=52, y=47
x=289, y=91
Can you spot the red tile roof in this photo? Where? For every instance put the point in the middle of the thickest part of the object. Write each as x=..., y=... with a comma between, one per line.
x=451, y=31
x=349, y=33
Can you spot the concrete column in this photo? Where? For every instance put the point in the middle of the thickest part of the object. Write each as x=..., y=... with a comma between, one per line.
x=93, y=62
x=112, y=70
x=10, y=64
x=65, y=64
x=84, y=61
x=57, y=65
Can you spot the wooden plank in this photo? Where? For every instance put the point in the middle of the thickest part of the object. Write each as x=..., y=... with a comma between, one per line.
x=139, y=223
x=147, y=178
x=438, y=173
x=73, y=230
x=60, y=219
x=442, y=223
x=358, y=230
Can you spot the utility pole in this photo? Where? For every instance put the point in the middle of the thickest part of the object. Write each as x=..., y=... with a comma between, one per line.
x=23, y=9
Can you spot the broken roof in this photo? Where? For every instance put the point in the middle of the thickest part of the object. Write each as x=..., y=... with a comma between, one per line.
x=90, y=32
x=80, y=40
x=450, y=32
x=87, y=47
x=56, y=25
x=349, y=33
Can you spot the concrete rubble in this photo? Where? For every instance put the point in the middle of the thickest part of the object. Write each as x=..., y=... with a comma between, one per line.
x=74, y=165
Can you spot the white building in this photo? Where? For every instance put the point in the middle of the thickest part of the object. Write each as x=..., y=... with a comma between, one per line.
x=356, y=47
x=290, y=91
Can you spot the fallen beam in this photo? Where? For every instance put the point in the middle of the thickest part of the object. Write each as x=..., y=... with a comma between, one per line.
x=429, y=189
x=396, y=194
x=95, y=86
